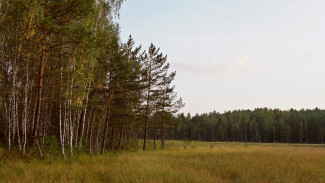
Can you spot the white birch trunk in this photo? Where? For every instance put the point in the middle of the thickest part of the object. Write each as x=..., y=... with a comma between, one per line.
x=60, y=118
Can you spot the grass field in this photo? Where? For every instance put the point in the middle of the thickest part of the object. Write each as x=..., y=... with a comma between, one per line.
x=179, y=162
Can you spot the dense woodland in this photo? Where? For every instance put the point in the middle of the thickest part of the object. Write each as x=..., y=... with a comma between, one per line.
x=68, y=83
x=260, y=125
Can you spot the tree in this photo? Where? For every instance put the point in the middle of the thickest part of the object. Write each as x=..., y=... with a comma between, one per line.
x=155, y=67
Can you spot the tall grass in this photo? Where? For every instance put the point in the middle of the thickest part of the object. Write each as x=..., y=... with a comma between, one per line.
x=178, y=162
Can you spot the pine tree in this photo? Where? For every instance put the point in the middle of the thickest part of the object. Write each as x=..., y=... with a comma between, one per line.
x=156, y=67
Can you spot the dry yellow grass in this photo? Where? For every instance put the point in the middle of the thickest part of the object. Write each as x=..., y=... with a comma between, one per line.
x=198, y=162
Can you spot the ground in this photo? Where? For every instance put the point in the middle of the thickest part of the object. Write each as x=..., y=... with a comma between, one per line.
x=179, y=162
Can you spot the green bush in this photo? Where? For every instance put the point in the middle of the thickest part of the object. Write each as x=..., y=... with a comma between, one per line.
x=51, y=145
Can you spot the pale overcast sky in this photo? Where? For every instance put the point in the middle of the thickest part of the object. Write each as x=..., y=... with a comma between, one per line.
x=236, y=54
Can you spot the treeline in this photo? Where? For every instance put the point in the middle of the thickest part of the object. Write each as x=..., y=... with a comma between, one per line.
x=67, y=79
x=260, y=125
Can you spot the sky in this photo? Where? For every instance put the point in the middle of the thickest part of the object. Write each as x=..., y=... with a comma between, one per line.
x=234, y=54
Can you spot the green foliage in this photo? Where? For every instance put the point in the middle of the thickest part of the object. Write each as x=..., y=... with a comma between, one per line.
x=51, y=145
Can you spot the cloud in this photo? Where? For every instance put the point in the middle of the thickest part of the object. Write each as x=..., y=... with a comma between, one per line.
x=307, y=58
x=212, y=68
x=239, y=63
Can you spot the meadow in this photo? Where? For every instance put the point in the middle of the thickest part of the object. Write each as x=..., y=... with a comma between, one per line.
x=179, y=162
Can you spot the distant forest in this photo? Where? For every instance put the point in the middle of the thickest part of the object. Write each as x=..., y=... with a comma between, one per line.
x=260, y=125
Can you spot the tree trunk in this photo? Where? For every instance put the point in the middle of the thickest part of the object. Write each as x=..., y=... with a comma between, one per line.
x=108, y=112
x=70, y=112
x=137, y=137
x=155, y=136
x=71, y=129
x=60, y=118
x=39, y=92
x=155, y=132
x=121, y=138
x=129, y=133
x=112, y=139
x=83, y=121
x=162, y=136
x=88, y=124
x=91, y=135
x=147, y=114
x=25, y=109
x=123, y=119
